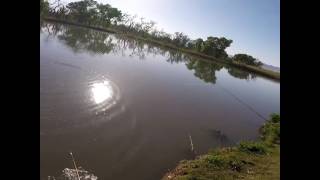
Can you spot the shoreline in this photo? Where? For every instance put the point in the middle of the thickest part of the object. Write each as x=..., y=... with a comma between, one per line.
x=247, y=160
x=260, y=71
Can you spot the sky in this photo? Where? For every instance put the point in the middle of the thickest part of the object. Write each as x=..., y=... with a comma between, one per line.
x=253, y=25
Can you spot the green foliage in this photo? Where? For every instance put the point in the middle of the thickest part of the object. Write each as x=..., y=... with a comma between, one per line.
x=253, y=147
x=215, y=160
x=87, y=12
x=246, y=59
x=82, y=11
x=275, y=118
x=198, y=43
x=107, y=14
x=180, y=39
x=44, y=8
x=215, y=46
x=270, y=131
x=236, y=164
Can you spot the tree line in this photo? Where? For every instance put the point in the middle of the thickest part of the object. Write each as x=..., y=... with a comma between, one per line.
x=92, y=13
x=96, y=42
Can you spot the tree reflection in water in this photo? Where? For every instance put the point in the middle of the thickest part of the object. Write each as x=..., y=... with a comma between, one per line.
x=240, y=73
x=204, y=70
x=96, y=42
x=222, y=139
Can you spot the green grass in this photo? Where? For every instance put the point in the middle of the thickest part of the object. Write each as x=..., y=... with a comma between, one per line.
x=248, y=160
x=257, y=70
x=253, y=147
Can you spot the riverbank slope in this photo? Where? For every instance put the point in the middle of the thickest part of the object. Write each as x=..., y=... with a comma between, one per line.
x=248, y=160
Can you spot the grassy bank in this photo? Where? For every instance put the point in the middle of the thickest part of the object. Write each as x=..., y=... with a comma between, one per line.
x=257, y=70
x=248, y=160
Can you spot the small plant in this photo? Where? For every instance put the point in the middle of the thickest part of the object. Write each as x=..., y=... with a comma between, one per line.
x=253, y=147
x=236, y=165
x=270, y=132
x=275, y=118
x=215, y=160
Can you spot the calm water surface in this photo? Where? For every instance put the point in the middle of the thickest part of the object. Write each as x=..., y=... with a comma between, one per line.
x=126, y=109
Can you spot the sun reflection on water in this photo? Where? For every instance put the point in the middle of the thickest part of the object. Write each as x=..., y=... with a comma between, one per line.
x=102, y=91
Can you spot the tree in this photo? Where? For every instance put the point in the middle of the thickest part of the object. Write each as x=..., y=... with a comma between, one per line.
x=54, y=7
x=107, y=14
x=215, y=46
x=115, y=15
x=180, y=40
x=147, y=26
x=80, y=10
x=198, y=44
x=246, y=59
x=93, y=13
x=44, y=8
x=61, y=12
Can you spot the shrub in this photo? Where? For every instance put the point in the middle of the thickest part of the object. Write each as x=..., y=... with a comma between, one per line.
x=215, y=160
x=247, y=59
x=253, y=147
x=236, y=165
x=270, y=131
x=275, y=118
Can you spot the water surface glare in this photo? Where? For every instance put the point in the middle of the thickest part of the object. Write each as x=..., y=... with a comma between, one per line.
x=126, y=108
x=101, y=91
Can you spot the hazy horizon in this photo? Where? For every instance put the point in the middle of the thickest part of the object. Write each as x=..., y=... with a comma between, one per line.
x=254, y=26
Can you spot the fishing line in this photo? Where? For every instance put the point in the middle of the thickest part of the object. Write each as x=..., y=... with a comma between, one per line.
x=243, y=103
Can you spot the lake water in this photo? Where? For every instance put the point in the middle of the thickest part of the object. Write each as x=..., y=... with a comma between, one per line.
x=125, y=109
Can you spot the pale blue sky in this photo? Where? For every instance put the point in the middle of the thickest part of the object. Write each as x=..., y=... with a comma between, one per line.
x=253, y=25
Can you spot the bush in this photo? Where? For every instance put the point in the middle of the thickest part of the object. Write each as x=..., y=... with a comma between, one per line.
x=270, y=131
x=253, y=147
x=246, y=59
x=275, y=118
x=215, y=160
x=236, y=165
